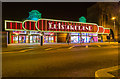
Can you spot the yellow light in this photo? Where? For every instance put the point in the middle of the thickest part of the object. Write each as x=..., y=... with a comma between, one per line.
x=113, y=18
x=17, y=34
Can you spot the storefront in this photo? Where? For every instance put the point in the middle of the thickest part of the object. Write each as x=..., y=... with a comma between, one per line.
x=53, y=31
x=84, y=37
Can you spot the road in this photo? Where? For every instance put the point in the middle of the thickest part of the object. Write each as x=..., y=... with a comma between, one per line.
x=57, y=60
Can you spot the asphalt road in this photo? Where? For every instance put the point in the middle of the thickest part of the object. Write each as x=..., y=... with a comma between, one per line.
x=57, y=60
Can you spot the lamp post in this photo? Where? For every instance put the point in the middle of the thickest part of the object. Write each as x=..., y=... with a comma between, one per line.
x=113, y=18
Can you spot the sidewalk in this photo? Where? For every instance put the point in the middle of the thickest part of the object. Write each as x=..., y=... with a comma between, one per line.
x=102, y=73
x=65, y=43
x=21, y=46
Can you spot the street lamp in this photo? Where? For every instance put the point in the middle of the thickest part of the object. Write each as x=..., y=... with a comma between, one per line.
x=113, y=18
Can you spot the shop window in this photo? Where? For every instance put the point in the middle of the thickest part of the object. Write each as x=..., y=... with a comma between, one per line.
x=14, y=39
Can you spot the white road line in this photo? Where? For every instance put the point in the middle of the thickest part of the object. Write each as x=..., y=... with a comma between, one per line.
x=49, y=49
x=71, y=47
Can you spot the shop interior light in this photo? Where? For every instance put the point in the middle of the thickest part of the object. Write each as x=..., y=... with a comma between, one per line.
x=29, y=34
x=16, y=34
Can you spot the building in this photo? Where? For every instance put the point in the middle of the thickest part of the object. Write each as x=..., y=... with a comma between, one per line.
x=106, y=14
x=53, y=31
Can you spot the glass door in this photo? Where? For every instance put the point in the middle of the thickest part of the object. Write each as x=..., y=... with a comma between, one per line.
x=46, y=40
x=74, y=39
x=38, y=39
x=34, y=39
x=51, y=39
x=22, y=39
x=14, y=39
x=31, y=39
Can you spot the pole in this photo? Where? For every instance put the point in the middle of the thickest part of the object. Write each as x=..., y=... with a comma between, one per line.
x=41, y=39
x=80, y=37
x=114, y=25
x=114, y=30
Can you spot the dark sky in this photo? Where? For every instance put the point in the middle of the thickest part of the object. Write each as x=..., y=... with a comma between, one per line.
x=50, y=10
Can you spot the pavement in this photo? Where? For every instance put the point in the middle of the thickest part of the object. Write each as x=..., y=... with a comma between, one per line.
x=28, y=46
x=102, y=73
x=58, y=60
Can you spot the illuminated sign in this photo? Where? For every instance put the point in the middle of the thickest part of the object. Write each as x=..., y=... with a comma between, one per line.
x=19, y=32
x=34, y=32
x=13, y=25
x=65, y=26
x=69, y=27
x=106, y=30
x=50, y=25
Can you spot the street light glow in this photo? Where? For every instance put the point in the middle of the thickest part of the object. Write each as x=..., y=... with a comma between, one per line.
x=113, y=18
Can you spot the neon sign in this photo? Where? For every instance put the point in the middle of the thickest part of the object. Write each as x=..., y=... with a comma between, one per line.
x=69, y=27
x=50, y=25
x=66, y=26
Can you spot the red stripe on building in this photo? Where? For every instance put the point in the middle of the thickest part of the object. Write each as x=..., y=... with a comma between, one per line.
x=76, y=27
x=46, y=25
x=56, y=25
x=20, y=25
x=65, y=26
x=16, y=25
x=42, y=25
x=34, y=25
x=25, y=25
x=30, y=25
x=86, y=26
x=10, y=25
x=53, y=25
x=38, y=24
x=11, y=38
x=71, y=26
x=62, y=24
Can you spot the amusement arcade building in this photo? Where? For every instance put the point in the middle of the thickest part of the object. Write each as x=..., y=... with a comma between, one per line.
x=53, y=31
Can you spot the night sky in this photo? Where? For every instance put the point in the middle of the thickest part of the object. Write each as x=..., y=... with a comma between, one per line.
x=50, y=10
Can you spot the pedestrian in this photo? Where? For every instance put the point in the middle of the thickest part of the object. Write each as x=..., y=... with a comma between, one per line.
x=68, y=41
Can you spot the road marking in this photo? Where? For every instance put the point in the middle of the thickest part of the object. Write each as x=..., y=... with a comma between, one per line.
x=6, y=52
x=23, y=51
x=98, y=45
x=49, y=49
x=104, y=72
x=17, y=51
x=86, y=46
x=30, y=49
x=71, y=47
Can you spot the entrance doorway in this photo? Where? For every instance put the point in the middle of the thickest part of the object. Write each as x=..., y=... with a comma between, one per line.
x=34, y=39
x=49, y=39
x=22, y=39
